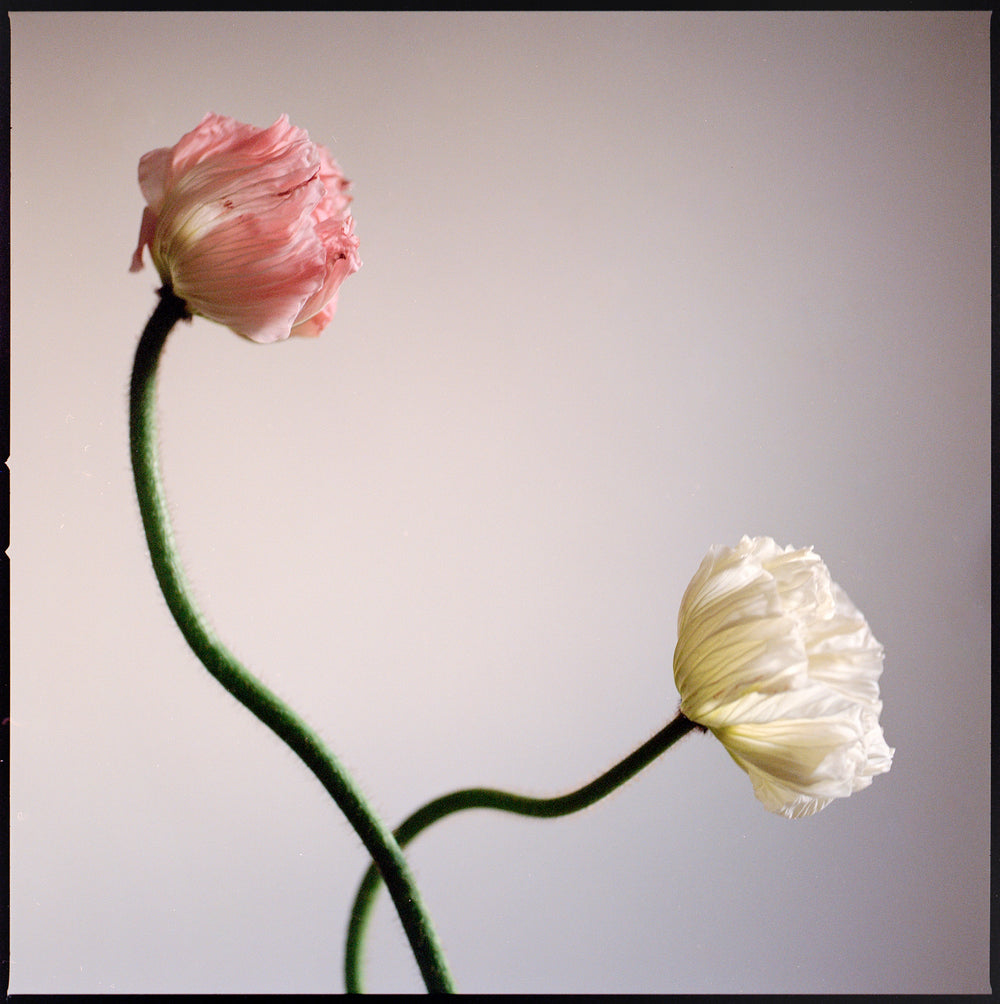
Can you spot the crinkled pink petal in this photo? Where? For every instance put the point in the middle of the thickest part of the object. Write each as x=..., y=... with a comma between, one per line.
x=147, y=229
x=218, y=134
x=336, y=201
x=154, y=170
x=254, y=274
x=250, y=227
x=341, y=247
x=314, y=326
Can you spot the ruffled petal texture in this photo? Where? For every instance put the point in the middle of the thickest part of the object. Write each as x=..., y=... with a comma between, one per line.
x=776, y=661
x=249, y=227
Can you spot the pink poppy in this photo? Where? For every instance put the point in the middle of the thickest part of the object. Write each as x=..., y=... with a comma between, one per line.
x=249, y=227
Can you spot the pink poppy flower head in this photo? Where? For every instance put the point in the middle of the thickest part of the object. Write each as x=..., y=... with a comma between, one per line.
x=249, y=227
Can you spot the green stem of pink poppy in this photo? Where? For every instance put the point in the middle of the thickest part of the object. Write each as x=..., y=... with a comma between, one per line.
x=504, y=801
x=223, y=665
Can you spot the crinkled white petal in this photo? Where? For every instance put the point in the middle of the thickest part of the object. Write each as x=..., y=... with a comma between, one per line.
x=797, y=766
x=775, y=659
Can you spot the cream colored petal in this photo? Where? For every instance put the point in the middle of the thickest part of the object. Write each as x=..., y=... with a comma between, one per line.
x=808, y=702
x=795, y=765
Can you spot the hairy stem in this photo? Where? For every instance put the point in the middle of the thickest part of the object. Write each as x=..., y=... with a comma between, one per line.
x=223, y=665
x=491, y=798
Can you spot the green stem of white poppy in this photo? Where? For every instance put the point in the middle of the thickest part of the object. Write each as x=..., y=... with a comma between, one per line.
x=504, y=801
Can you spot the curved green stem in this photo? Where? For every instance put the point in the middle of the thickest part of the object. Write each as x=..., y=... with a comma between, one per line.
x=250, y=692
x=491, y=798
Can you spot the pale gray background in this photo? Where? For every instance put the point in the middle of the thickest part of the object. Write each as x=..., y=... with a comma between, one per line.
x=634, y=284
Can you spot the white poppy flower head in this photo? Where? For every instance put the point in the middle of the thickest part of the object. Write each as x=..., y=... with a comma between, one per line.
x=775, y=660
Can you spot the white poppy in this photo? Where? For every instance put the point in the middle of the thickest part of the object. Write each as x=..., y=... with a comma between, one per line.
x=775, y=660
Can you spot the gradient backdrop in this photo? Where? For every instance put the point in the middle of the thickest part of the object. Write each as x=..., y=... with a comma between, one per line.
x=634, y=284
